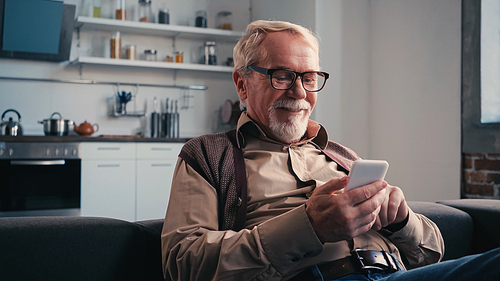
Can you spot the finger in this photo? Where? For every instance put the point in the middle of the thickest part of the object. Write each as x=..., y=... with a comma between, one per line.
x=332, y=186
x=363, y=193
x=395, y=200
x=383, y=212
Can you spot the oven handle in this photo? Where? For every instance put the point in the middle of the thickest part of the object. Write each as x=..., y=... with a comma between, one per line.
x=37, y=162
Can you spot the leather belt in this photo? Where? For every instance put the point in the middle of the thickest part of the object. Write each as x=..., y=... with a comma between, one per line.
x=358, y=261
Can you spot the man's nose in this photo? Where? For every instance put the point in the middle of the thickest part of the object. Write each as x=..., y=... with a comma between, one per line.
x=297, y=91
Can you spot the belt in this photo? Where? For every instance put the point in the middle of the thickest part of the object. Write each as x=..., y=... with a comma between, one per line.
x=358, y=261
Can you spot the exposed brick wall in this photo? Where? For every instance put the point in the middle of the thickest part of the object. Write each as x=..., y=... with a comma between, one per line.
x=481, y=175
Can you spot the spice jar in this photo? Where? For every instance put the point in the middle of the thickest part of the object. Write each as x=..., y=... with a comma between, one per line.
x=145, y=12
x=116, y=46
x=120, y=12
x=169, y=59
x=224, y=20
x=201, y=19
x=97, y=8
x=150, y=55
x=163, y=16
x=179, y=56
x=131, y=52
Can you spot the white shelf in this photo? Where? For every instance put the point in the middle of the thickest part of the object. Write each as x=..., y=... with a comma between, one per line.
x=155, y=29
x=152, y=64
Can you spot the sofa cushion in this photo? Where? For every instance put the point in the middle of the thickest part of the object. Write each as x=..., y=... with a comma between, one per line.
x=455, y=225
x=72, y=248
x=486, y=216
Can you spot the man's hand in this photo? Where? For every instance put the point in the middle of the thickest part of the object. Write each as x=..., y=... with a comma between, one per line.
x=337, y=216
x=394, y=208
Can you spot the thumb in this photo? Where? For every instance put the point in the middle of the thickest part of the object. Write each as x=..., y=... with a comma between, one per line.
x=332, y=185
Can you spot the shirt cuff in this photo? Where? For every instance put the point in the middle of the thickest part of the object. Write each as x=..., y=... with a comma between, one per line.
x=411, y=234
x=288, y=239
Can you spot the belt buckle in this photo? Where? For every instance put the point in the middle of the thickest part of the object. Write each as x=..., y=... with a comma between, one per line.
x=386, y=263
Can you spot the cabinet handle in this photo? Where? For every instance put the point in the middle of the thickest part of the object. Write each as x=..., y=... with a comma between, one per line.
x=37, y=163
x=161, y=165
x=161, y=148
x=108, y=165
x=108, y=148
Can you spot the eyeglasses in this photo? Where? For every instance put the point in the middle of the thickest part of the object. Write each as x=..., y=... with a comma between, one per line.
x=284, y=79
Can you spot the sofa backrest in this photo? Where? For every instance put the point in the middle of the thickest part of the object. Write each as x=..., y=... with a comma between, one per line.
x=69, y=248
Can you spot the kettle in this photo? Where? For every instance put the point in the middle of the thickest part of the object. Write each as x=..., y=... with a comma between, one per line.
x=85, y=129
x=11, y=128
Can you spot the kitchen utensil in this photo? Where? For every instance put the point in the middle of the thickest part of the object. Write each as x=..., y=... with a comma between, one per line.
x=85, y=129
x=11, y=128
x=56, y=127
x=176, y=121
x=155, y=120
x=123, y=98
x=165, y=119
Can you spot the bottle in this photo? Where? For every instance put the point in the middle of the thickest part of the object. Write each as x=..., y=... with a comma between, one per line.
x=97, y=8
x=121, y=12
x=145, y=12
x=210, y=54
x=131, y=53
x=116, y=46
x=201, y=19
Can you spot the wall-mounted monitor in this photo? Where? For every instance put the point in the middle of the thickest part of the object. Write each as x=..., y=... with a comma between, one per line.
x=36, y=29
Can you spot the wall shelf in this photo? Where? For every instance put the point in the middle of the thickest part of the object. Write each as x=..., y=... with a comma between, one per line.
x=155, y=29
x=152, y=64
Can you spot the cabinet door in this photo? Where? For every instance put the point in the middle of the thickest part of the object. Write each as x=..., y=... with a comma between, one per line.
x=154, y=178
x=108, y=189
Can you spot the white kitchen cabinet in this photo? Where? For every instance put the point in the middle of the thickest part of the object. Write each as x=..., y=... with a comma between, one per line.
x=155, y=168
x=128, y=181
x=108, y=181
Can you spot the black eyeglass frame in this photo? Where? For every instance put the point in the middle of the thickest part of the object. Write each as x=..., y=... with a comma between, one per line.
x=297, y=74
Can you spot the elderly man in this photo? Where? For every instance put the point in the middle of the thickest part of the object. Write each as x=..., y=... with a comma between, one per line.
x=266, y=201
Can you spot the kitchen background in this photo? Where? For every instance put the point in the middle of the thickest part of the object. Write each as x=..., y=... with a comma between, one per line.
x=394, y=91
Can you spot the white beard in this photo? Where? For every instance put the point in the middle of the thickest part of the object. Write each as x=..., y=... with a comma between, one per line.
x=296, y=126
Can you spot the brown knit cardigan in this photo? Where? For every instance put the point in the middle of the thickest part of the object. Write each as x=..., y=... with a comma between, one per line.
x=217, y=158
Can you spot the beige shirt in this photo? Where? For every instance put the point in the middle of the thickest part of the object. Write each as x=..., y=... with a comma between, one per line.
x=278, y=241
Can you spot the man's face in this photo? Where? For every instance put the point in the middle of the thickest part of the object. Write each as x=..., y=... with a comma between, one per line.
x=282, y=114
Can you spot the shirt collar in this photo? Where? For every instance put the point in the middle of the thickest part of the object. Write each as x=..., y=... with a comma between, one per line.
x=246, y=126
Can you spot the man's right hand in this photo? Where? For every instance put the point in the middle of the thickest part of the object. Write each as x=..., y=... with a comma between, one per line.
x=337, y=216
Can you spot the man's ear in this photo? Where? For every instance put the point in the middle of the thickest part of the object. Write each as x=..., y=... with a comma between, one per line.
x=239, y=81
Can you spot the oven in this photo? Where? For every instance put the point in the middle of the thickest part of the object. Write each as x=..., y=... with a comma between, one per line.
x=40, y=179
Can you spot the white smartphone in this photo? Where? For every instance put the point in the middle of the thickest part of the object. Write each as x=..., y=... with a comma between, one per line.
x=364, y=172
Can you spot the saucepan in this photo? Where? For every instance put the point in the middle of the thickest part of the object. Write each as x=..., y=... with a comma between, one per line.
x=56, y=127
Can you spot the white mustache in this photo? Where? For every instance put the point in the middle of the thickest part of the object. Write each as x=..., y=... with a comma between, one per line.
x=292, y=104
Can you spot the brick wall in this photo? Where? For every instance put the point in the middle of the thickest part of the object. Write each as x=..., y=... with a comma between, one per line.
x=481, y=175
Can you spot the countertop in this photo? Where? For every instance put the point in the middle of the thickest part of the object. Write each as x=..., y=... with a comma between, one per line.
x=75, y=138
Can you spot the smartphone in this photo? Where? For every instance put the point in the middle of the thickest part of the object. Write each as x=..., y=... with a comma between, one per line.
x=364, y=172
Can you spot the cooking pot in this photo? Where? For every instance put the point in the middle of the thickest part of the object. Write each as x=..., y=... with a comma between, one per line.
x=11, y=128
x=56, y=127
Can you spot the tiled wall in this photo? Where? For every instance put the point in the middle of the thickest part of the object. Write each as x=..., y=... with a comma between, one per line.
x=481, y=175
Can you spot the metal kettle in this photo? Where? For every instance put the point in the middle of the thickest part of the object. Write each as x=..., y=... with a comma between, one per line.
x=11, y=127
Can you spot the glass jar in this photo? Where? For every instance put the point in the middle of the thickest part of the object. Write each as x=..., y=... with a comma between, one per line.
x=145, y=11
x=210, y=53
x=150, y=55
x=179, y=56
x=116, y=46
x=97, y=8
x=169, y=59
x=163, y=16
x=120, y=11
x=201, y=19
x=131, y=52
x=224, y=20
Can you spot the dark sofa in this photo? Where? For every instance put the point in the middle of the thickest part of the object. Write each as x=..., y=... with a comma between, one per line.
x=81, y=248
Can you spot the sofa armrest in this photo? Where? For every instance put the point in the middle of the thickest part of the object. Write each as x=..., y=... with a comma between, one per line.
x=455, y=225
x=486, y=216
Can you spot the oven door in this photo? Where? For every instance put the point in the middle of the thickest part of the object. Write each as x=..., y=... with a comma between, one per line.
x=40, y=187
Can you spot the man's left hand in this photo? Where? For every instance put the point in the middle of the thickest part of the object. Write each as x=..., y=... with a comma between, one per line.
x=394, y=208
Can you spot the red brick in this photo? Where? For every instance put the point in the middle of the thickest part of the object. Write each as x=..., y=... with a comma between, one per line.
x=467, y=163
x=494, y=155
x=476, y=177
x=475, y=155
x=479, y=189
x=493, y=178
x=490, y=165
